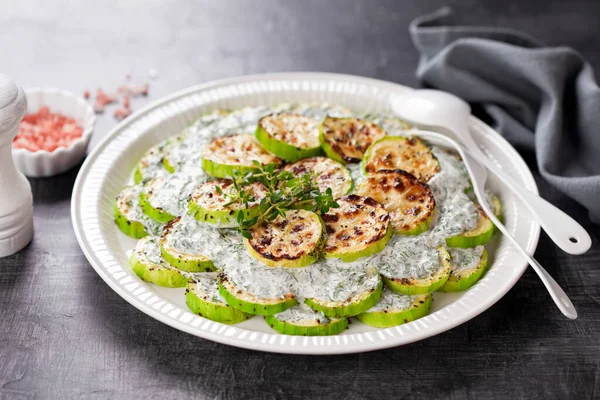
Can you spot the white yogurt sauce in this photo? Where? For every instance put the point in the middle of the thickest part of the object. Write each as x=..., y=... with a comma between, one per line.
x=132, y=211
x=302, y=313
x=207, y=284
x=462, y=259
x=393, y=301
x=327, y=279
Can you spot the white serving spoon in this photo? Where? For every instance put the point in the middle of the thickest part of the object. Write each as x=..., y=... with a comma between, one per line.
x=444, y=112
x=478, y=176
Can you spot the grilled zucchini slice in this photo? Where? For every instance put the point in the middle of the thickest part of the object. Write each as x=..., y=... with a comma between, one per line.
x=346, y=139
x=410, y=203
x=250, y=304
x=289, y=136
x=163, y=199
x=127, y=219
x=148, y=264
x=292, y=241
x=432, y=281
x=357, y=304
x=184, y=261
x=467, y=267
x=226, y=154
x=359, y=228
x=396, y=309
x=478, y=236
x=153, y=164
x=397, y=152
x=303, y=321
x=202, y=298
x=328, y=174
x=208, y=205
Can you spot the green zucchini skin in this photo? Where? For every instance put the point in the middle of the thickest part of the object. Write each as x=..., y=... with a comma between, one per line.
x=223, y=218
x=478, y=236
x=328, y=150
x=253, y=305
x=154, y=213
x=482, y=232
x=393, y=317
x=132, y=229
x=161, y=275
x=182, y=261
x=225, y=155
x=344, y=309
x=137, y=175
x=463, y=280
x=333, y=327
x=373, y=248
x=168, y=165
x=224, y=170
x=429, y=284
x=284, y=150
x=215, y=311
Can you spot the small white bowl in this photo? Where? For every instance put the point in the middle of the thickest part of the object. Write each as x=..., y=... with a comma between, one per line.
x=42, y=163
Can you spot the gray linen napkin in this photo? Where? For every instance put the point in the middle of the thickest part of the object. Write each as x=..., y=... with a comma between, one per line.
x=541, y=98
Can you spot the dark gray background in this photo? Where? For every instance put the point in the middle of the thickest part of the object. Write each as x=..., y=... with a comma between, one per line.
x=65, y=334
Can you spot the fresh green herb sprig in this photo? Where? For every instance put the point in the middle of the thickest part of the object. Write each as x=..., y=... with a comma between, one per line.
x=284, y=192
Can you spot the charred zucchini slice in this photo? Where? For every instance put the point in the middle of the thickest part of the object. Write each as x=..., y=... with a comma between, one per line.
x=291, y=241
x=202, y=298
x=250, y=304
x=148, y=264
x=208, y=202
x=127, y=219
x=328, y=174
x=396, y=152
x=303, y=321
x=478, y=236
x=291, y=137
x=346, y=139
x=360, y=227
x=410, y=203
x=357, y=304
x=226, y=154
x=467, y=267
x=431, y=281
x=184, y=261
x=396, y=309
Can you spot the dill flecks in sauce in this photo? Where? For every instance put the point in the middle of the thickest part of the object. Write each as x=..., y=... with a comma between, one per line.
x=128, y=202
x=327, y=279
x=207, y=285
x=302, y=313
x=462, y=259
x=393, y=301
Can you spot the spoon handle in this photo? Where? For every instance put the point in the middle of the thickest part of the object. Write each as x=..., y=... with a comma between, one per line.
x=556, y=292
x=567, y=233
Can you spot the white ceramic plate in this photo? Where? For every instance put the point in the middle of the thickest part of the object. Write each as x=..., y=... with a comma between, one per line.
x=108, y=167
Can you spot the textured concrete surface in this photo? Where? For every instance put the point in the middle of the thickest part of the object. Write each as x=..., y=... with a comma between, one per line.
x=65, y=334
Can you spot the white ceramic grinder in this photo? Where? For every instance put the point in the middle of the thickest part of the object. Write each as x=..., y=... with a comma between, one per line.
x=16, y=200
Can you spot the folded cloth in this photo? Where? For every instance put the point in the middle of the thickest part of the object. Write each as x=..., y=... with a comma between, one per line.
x=541, y=98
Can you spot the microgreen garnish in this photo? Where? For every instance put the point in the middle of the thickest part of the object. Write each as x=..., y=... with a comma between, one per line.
x=285, y=191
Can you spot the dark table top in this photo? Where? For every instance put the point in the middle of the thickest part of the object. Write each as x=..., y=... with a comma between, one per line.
x=65, y=334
